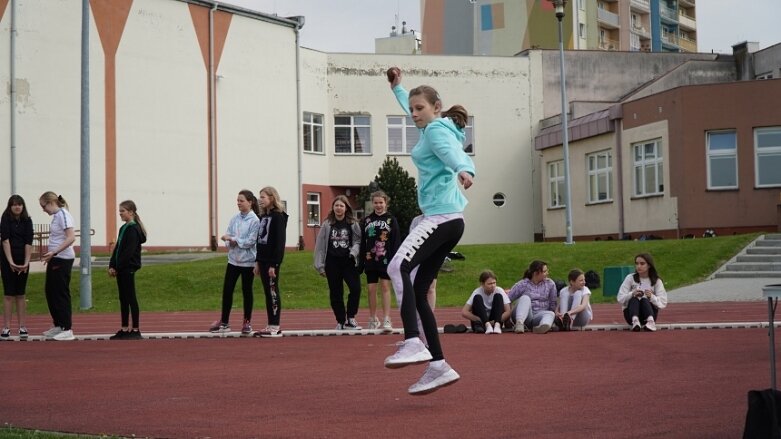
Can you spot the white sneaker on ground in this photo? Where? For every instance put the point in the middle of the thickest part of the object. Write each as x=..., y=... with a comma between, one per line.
x=435, y=377
x=51, y=332
x=352, y=324
x=374, y=323
x=650, y=324
x=497, y=328
x=386, y=325
x=541, y=329
x=519, y=328
x=489, y=329
x=636, y=324
x=64, y=335
x=411, y=351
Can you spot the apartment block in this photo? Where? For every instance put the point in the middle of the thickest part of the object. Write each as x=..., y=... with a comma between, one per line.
x=495, y=27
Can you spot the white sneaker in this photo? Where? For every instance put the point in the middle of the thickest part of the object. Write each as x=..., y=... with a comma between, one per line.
x=374, y=323
x=497, y=328
x=51, y=332
x=650, y=324
x=636, y=325
x=519, y=328
x=489, y=329
x=352, y=325
x=541, y=329
x=433, y=378
x=64, y=335
x=386, y=325
x=411, y=351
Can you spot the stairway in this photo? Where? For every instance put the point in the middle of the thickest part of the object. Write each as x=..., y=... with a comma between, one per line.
x=762, y=258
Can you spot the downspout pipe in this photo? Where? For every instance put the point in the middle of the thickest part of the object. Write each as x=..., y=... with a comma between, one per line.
x=212, y=137
x=299, y=19
x=12, y=119
x=616, y=114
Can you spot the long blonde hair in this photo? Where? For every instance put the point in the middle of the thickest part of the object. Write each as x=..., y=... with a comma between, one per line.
x=51, y=197
x=276, y=204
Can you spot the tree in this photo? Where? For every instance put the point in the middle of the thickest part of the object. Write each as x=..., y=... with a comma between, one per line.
x=400, y=187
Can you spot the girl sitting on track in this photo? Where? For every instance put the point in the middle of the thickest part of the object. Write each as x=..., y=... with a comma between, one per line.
x=574, y=306
x=642, y=295
x=536, y=295
x=488, y=307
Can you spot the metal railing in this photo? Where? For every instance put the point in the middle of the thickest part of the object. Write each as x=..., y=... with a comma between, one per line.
x=41, y=239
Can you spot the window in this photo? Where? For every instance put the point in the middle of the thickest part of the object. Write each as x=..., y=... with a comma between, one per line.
x=722, y=153
x=767, y=143
x=351, y=134
x=768, y=75
x=313, y=132
x=556, y=184
x=600, y=176
x=582, y=30
x=313, y=209
x=469, y=132
x=648, y=168
x=402, y=134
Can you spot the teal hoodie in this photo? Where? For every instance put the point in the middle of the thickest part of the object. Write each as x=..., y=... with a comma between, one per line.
x=439, y=156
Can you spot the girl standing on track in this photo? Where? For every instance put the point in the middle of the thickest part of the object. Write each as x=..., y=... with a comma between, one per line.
x=642, y=295
x=442, y=164
x=240, y=238
x=536, y=295
x=125, y=261
x=270, y=252
x=574, y=306
x=59, y=264
x=381, y=238
x=16, y=234
x=336, y=258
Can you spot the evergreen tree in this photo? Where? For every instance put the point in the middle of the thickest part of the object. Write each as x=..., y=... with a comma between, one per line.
x=400, y=187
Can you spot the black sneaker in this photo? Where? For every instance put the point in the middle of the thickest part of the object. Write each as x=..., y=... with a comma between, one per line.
x=449, y=329
x=134, y=335
x=23, y=333
x=558, y=323
x=6, y=333
x=478, y=328
x=120, y=335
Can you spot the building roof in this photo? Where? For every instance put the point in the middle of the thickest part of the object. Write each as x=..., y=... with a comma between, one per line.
x=590, y=125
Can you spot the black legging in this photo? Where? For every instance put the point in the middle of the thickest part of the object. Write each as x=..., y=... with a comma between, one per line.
x=232, y=274
x=426, y=248
x=492, y=315
x=58, y=293
x=271, y=289
x=128, y=302
x=340, y=271
x=642, y=308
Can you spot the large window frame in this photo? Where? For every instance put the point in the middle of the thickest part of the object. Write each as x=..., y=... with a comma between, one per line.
x=352, y=134
x=313, y=209
x=599, y=169
x=721, y=151
x=767, y=146
x=313, y=132
x=648, y=169
x=469, y=139
x=556, y=187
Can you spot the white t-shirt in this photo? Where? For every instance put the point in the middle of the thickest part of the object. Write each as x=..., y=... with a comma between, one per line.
x=61, y=220
x=584, y=292
x=488, y=299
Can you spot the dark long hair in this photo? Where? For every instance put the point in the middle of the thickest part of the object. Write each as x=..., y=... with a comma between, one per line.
x=652, y=274
x=253, y=202
x=16, y=199
x=536, y=266
x=130, y=206
x=457, y=113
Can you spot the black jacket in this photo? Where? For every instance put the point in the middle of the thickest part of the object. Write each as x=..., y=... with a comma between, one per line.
x=127, y=253
x=271, y=238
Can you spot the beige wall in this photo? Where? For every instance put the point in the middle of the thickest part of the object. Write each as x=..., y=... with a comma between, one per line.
x=649, y=213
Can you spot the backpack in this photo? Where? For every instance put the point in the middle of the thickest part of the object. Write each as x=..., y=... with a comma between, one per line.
x=761, y=422
x=592, y=279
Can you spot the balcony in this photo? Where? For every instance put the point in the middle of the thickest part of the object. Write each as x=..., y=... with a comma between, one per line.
x=641, y=5
x=608, y=44
x=687, y=44
x=607, y=18
x=670, y=38
x=641, y=31
x=686, y=21
x=687, y=3
x=668, y=14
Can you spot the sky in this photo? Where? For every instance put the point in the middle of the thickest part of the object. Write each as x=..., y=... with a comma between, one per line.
x=352, y=25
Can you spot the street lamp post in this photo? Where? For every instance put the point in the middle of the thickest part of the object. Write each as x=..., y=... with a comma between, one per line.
x=559, y=5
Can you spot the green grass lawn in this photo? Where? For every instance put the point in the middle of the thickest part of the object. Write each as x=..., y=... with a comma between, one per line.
x=197, y=285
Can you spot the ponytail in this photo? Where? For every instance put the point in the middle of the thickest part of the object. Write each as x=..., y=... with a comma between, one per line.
x=458, y=114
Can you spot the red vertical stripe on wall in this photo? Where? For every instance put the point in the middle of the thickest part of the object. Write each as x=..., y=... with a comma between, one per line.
x=110, y=18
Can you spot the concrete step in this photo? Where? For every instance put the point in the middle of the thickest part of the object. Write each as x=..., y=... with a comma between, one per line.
x=773, y=236
x=747, y=274
x=759, y=258
x=754, y=266
x=768, y=243
x=763, y=251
